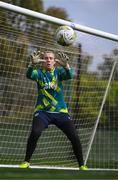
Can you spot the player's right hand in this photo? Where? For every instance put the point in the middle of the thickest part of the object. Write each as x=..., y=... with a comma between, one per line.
x=37, y=57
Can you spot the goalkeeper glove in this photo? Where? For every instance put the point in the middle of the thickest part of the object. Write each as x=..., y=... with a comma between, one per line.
x=63, y=60
x=36, y=58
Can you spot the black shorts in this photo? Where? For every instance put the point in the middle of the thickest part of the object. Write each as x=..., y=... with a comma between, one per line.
x=52, y=118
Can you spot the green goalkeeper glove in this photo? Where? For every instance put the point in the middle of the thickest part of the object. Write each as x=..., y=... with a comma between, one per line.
x=63, y=60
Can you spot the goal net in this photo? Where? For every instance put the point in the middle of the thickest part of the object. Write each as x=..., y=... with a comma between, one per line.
x=91, y=96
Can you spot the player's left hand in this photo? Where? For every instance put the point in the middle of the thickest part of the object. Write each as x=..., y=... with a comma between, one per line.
x=63, y=60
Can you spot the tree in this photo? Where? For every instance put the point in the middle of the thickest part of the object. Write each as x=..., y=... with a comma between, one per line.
x=57, y=12
x=111, y=105
x=36, y=5
x=106, y=66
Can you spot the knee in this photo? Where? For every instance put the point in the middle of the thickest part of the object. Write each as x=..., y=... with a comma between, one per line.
x=35, y=134
x=74, y=138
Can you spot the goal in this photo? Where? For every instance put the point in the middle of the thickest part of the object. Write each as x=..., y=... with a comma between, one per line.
x=91, y=96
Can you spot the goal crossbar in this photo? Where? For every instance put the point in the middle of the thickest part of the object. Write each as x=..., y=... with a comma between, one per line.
x=58, y=21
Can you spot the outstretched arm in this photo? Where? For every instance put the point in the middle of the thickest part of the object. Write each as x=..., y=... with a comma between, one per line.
x=63, y=60
x=66, y=72
x=35, y=58
x=32, y=73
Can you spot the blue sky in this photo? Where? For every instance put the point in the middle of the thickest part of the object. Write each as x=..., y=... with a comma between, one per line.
x=98, y=14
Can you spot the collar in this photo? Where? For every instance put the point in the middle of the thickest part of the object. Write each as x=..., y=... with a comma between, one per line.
x=51, y=71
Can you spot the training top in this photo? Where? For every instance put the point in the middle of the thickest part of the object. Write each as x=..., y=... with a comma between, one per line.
x=50, y=88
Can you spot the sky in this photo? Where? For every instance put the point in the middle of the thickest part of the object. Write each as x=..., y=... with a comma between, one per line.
x=98, y=14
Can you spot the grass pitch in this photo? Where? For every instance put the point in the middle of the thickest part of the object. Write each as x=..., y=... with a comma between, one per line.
x=41, y=174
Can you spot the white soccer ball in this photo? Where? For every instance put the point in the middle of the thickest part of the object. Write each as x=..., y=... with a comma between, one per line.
x=65, y=35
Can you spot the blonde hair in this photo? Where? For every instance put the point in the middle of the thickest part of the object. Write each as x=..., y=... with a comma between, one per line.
x=49, y=51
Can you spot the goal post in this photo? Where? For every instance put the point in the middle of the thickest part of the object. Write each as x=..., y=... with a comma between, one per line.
x=101, y=109
x=91, y=95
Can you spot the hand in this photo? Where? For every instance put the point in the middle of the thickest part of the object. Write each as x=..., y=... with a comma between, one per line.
x=37, y=57
x=63, y=60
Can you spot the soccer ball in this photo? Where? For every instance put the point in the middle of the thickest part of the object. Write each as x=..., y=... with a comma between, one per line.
x=65, y=35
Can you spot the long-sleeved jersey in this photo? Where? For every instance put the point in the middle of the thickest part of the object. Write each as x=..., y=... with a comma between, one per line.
x=50, y=89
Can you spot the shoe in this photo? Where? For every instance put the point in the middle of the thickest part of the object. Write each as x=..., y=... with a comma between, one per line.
x=25, y=164
x=83, y=168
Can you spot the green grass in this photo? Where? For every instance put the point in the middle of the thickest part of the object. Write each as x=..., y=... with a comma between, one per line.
x=32, y=174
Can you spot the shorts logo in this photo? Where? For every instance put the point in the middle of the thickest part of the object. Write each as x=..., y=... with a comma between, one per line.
x=36, y=114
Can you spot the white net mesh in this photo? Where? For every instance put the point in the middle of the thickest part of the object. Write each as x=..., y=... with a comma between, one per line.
x=19, y=37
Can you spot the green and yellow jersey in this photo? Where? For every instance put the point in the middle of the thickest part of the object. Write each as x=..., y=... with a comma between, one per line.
x=50, y=88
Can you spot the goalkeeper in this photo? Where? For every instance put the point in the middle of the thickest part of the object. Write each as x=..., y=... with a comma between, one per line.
x=50, y=107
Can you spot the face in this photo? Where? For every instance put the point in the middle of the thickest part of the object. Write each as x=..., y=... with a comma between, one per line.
x=50, y=60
